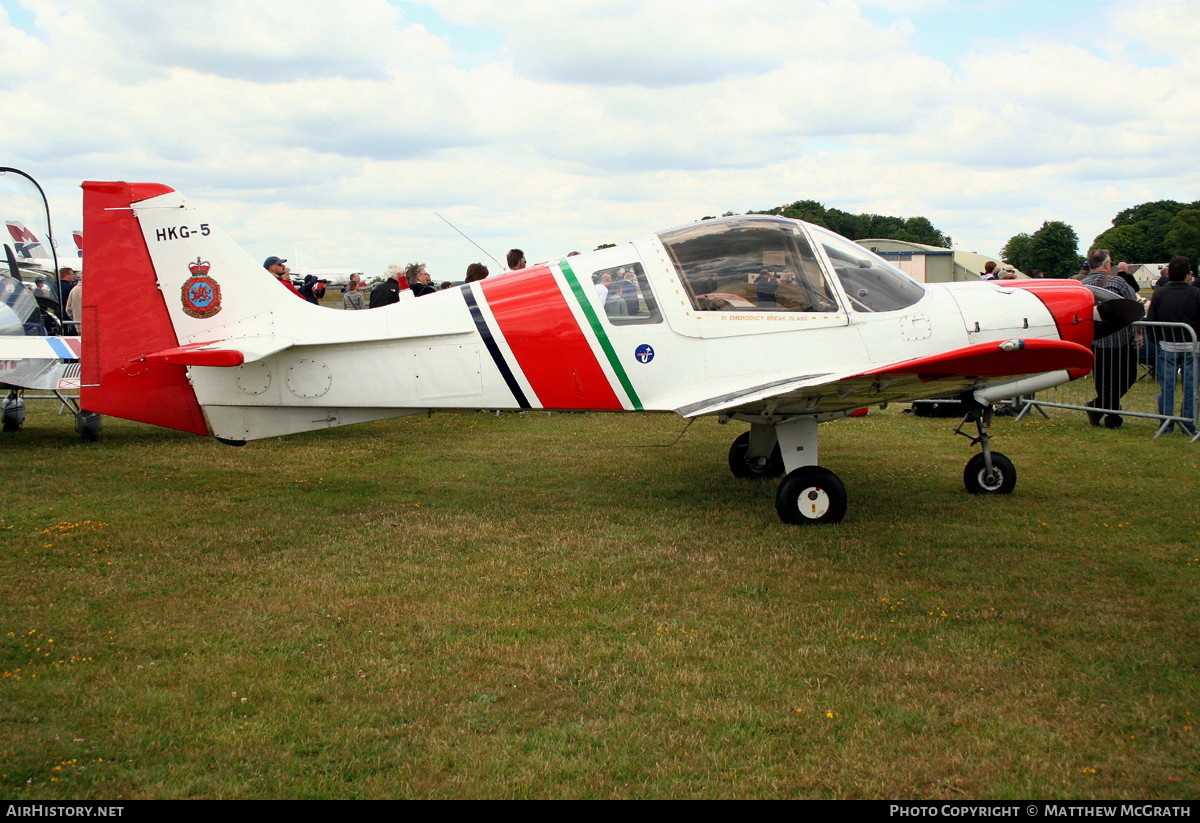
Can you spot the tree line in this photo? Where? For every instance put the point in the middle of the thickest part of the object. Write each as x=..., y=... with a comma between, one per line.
x=859, y=226
x=1152, y=232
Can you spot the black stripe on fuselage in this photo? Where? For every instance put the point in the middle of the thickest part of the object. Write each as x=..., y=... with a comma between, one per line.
x=494, y=349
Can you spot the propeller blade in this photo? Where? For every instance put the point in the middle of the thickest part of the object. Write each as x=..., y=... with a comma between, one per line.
x=1113, y=313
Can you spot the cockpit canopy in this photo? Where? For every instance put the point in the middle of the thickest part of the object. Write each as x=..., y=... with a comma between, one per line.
x=762, y=263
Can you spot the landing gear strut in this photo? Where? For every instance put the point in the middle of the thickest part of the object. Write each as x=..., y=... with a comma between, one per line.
x=988, y=472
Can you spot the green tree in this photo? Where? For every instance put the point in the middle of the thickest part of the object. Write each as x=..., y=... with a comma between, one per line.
x=1128, y=243
x=858, y=226
x=1183, y=237
x=1054, y=248
x=1018, y=252
x=1139, y=233
x=920, y=230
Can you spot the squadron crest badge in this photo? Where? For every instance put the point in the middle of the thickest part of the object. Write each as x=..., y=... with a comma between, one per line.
x=201, y=294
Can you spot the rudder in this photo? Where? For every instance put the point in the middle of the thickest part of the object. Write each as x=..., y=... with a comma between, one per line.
x=125, y=318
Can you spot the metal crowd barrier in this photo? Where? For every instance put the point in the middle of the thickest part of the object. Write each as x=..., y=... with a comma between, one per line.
x=1161, y=355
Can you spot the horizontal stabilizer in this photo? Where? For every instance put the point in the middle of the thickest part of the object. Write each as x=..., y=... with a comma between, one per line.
x=221, y=353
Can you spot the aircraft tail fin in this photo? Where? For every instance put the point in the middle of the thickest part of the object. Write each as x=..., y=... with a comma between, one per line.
x=125, y=317
x=26, y=243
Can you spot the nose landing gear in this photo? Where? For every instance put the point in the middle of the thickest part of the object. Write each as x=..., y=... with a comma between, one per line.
x=988, y=472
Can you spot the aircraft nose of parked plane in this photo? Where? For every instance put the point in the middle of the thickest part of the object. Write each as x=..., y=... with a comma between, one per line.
x=1112, y=313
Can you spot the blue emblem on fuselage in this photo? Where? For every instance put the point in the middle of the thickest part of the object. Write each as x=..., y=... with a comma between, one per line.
x=644, y=353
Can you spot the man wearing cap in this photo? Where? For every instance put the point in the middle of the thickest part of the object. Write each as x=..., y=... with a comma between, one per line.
x=275, y=266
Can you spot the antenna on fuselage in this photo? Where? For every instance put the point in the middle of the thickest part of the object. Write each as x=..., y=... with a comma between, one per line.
x=472, y=242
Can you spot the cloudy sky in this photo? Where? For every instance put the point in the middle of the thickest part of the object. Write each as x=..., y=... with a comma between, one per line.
x=335, y=131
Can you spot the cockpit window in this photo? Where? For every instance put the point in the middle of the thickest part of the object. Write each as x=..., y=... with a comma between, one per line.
x=626, y=295
x=871, y=283
x=749, y=264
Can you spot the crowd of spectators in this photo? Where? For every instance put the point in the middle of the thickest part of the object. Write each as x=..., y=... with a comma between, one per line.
x=1175, y=299
x=414, y=278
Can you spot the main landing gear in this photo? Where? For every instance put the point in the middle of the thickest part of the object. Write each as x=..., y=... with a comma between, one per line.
x=808, y=493
x=812, y=495
x=12, y=415
x=756, y=459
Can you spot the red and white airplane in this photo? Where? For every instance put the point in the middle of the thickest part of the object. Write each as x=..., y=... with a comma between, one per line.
x=769, y=321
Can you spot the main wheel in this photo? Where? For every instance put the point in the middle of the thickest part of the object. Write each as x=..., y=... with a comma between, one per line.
x=811, y=495
x=14, y=414
x=742, y=465
x=1000, y=480
x=87, y=426
x=14, y=419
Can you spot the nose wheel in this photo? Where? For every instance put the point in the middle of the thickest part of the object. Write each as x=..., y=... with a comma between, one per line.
x=1001, y=478
x=988, y=472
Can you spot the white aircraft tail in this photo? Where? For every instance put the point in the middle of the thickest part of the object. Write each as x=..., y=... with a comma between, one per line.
x=26, y=244
x=168, y=290
x=153, y=302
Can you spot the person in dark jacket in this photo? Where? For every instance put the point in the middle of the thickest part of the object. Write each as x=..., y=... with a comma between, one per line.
x=421, y=280
x=387, y=292
x=1177, y=302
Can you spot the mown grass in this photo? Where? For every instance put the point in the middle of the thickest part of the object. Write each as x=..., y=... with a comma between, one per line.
x=555, y=606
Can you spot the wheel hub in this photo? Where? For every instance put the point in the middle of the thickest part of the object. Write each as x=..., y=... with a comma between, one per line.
x=813, y=502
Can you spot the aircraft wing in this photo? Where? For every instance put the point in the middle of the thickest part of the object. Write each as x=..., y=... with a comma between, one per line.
x=939, y=375
x=37, y=347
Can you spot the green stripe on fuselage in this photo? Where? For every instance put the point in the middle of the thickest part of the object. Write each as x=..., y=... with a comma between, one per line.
x=598, y=330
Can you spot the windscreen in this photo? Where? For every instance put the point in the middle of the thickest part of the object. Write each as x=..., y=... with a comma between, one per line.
x=28, y=254
x=871, y=283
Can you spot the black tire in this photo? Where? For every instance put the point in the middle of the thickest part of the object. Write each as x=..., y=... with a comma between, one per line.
x=14, y=418
x=743, y=466
x=1002, y=480
x=87, y=426
x=811, y=495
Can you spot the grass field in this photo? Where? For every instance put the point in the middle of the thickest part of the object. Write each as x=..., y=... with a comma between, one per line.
x=556, y=606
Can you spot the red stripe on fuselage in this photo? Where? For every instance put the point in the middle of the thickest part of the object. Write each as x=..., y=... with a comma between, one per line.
x=549, y=345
